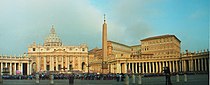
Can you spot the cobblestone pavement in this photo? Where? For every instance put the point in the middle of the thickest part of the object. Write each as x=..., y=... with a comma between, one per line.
x=201, y=79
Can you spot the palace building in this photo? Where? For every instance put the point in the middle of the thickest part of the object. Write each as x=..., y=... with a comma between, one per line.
x=150, y=56
x=55, y=57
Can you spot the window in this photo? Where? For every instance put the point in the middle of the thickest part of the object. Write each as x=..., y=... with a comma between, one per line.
x=83, y=49
x=34, y=49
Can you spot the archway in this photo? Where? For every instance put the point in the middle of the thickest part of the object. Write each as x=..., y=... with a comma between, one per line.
x=34, y=67
x=83, y=65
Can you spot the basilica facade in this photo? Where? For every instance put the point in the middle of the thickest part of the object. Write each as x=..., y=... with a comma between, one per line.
x=55, y=57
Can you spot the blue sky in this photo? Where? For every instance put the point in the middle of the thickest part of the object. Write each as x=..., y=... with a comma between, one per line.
x=80, y=21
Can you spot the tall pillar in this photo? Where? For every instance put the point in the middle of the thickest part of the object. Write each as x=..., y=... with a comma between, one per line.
x=118, y=68
x=10, y=68
x=62, y=63
x=125, y=65
x=21, y=68
x=156, y=63
x=6, y=64
x=45, y=63
x=143, y=67
x=153, y=67
x=199, y=65
x=195, y=64
x=140, y=67
x=133, y=68
x=38, y=64
x=136, y=68
x=170, y=66
x=177, y=66
x=57, y=63
x=150, y=67
x=160, y=66
x=167, y=64
x=163, y=64
x=1, y=67
x=15, y=68
x=146, y=67
x=202, y=64
x=191, y=64
x=205, y=64
x=129, y=66
x=28, y=67
x=67, y=62
x=174, y=66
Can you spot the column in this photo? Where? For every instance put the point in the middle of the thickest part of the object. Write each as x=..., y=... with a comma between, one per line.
x=150, y=67
x=133, y=68
x=195, y=64
x=136, y=68
x=163, y=64
x=140, y=67
x=67, y=62
x=166, y=64
x=21, y=68
x=170, y=66
x=53, y=63
x=125, y=65
x=118, y=68
x=173, y=66
x=146, y=67
x=5, y=64
x=199, y=65
x=202, y=64
x=45, y=63
x=10, y=68
x=156, y=63
x=129, y=67
x=205, y=64
x=38, y=64
x=57, y=64
x=177, y=66
x=143, y=67
x=191, y=65
x=15, y=69
x=153, y=67
x=1, y=67
x=62, y=63
x=28, y=69
x=160, y=67
x=66, y=65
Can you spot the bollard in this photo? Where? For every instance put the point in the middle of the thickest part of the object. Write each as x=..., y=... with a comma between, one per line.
x=51, y=79
x=133, y=79
x=177, y=78
x=140, y=80
x=126, y=80
x=185, y=77
x=1, y=80
x=37, y=79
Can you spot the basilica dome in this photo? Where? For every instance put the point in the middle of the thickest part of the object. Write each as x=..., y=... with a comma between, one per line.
x=52, y=39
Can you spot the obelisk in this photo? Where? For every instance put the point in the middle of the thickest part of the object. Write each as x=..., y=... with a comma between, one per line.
x=104, y=47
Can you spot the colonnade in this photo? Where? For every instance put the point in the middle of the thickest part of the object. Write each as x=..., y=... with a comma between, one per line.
x=184, y=65
x=55, y=63
x=16, y=66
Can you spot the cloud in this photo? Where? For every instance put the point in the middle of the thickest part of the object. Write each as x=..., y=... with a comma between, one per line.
x=25, y=21
x=130, y=19
x=199, y=13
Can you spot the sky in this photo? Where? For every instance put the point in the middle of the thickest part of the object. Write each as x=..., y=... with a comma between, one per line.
x=23, y=22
